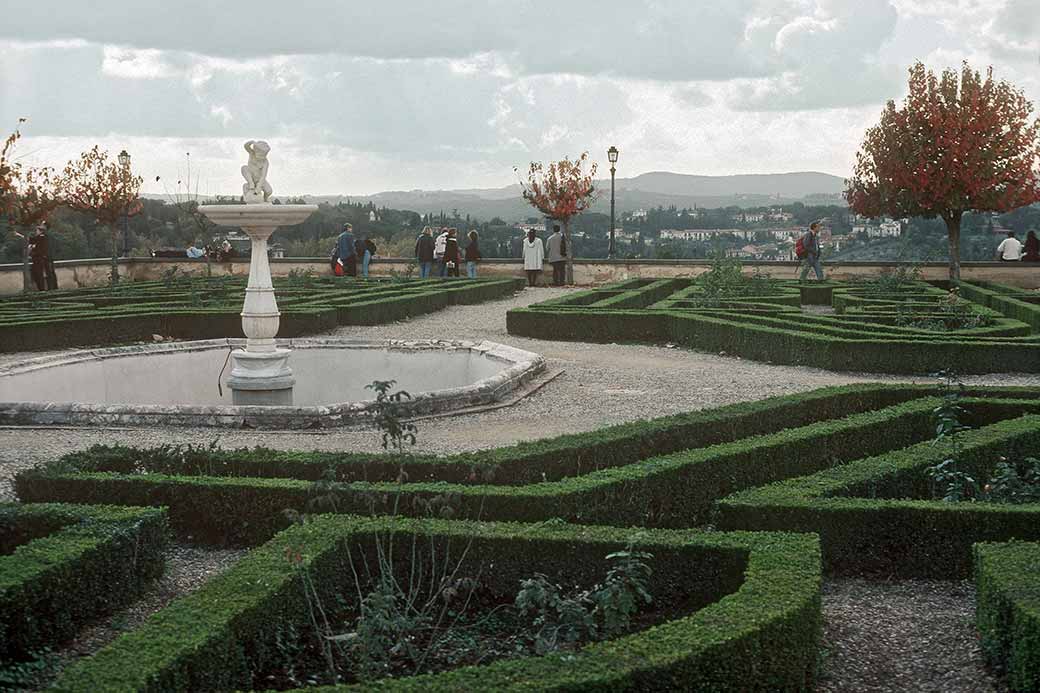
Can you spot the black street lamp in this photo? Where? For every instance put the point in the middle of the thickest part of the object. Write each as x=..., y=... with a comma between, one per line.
x=124, y=161
x=612, y=157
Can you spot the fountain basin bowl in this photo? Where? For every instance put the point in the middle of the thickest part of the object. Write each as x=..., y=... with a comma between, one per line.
x=185, y=383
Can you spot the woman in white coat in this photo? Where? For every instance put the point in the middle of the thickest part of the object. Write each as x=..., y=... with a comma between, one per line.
x=534, y=254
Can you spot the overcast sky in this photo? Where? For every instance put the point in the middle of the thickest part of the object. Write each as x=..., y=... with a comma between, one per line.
x=358, y=97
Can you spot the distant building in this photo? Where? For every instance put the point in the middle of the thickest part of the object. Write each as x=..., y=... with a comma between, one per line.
x=639, y=214
x=623, y=235
x=705, y=234
x=749, y=217
x=372, y=215
x=778, y=214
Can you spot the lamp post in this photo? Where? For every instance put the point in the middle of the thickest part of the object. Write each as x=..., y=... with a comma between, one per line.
x=124, y=161
x=612, y=156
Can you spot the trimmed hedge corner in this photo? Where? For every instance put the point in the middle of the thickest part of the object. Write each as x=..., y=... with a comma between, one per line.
x=1007, y=583
x=758, y=627
x=63, y=565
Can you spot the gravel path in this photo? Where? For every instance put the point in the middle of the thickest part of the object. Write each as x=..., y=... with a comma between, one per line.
x=602, y=384
x=916, y=635
x=187, y=569
x=908, y=636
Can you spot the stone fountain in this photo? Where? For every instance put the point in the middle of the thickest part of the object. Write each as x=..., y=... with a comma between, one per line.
x=260, y=373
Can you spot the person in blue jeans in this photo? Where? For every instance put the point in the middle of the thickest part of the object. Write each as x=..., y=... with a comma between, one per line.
x=811, y=243
x=472, y=255
x=367, y=252
x=346, y=254
x=424, y=252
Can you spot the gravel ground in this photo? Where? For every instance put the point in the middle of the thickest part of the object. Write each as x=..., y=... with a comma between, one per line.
x=187, y=568
x=602, y=384
x=916, y=635
x=881, y=637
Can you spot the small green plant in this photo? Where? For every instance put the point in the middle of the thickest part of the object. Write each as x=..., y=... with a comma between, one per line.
x=29, y=673
x=948, y=478
x=564, y=619
x=951, y=313
x=1014, y=481
x=726, y=281
x=895, y=280
x=388, y=416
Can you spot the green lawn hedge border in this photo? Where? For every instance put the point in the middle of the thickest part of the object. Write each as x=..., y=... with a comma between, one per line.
x=63, y=565
x=1006, y=300
x=870, y=515
x=1007, y=612
x=69, y=320
x=761, y=634
x=672, y=490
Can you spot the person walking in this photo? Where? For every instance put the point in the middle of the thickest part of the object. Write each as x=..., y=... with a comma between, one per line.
x=1031, y=250
x=534, y=254
x=368, y=251
x=438, y=251
x=452, y=257
x=811, y=247
x=557, y=255
x=472, y=255
x=424, y=252
x=40, y=257
x=346, y=253
x=1010, y=249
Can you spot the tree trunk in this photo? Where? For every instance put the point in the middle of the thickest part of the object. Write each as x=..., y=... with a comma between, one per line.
x=569, y=274
x=27, y=282
x=953, y=231
x=114, y=277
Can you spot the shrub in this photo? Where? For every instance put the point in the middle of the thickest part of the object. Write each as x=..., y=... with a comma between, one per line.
x=1007, y=583
x=62, y=565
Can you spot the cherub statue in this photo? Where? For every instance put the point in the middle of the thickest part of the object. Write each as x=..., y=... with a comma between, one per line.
x=256, y=189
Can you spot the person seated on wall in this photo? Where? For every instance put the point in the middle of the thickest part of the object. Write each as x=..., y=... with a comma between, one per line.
x=227, y=252
x=195, y=252
x=1010, y=249
x=1031, y=249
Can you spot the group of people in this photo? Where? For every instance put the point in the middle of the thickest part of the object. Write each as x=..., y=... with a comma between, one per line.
x=1013, y=250
x=444, y=252
x=555, y=251
x=349, y=250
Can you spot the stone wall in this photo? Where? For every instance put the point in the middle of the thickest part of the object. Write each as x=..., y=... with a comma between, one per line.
x=84, y=273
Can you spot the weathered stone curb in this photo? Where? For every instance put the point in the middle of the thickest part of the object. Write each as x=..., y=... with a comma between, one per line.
x=523, y=366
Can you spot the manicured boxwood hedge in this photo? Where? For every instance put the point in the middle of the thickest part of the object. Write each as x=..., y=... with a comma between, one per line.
x=677, y=489
x=758, y=630
x=865, y=336
x=1007, y=583
x=1017, y=304
x=209, y=308
x=62, y=565
x=870, y=515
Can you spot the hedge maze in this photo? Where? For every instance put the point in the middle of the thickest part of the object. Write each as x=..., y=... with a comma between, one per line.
x=63, y=565
x=208, y=308
x=835, y=481
x=882, y=327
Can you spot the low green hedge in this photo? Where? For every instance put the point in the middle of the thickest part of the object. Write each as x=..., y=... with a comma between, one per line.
x=209, y=308
x=1005, y=300
x=758, y=629
x=674, y=490
x=795, y=343
x=1007, y=583
x=869, y=516
x=549, y=459
x=63, y=565
x=767, y=328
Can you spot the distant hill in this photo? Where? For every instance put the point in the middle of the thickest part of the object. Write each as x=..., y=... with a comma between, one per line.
x=658, y=188
x=643, y=191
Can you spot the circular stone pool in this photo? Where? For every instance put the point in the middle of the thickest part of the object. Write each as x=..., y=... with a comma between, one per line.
x=185, y=383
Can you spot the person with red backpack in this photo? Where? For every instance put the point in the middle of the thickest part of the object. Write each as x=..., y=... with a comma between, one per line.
x=807, y=250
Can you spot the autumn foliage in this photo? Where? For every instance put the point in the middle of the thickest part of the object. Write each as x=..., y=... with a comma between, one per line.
x=560, y=191
x=99, y=186
x=28, y=195
x=958, y=143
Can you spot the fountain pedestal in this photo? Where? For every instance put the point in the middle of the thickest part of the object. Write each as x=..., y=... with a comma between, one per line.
x=260, y=374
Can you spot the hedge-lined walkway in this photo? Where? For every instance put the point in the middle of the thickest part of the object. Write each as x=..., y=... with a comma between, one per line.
x=602, y=384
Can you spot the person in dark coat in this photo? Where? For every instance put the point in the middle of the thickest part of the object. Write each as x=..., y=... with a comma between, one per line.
x=1031, y=249
x=346, y=253
x=424, y=246
x=452, y=257
x=40, y=256
x=472, y=255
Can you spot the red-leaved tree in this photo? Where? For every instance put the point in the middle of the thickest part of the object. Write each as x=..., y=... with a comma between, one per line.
x=561, y=191
x=103, y=188
x=959, y=143
x=28, y=195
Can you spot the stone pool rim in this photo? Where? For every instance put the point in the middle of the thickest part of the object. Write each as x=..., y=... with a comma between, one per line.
x=521, y=368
